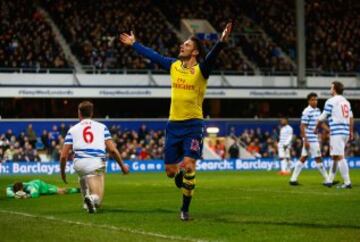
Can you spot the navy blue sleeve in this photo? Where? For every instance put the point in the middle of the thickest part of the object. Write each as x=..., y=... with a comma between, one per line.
x=164, y=62
x=207, y=65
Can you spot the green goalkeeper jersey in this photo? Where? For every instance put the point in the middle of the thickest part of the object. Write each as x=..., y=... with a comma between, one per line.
x=34, y=188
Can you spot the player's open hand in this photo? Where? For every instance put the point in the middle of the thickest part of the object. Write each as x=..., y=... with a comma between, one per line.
x=225, y=34
x=127, y=39
x=351, y=136
x=315, y=130
x=125, y=169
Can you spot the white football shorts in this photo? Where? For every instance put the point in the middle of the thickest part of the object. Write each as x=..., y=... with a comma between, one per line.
x=282, y=152
x=89, y=166
x=338, y=144
x=313, y=151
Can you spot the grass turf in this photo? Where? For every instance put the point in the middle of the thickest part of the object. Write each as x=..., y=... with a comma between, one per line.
x=227, y=206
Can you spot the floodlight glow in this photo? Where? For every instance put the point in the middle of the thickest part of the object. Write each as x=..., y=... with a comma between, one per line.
x=212, y=130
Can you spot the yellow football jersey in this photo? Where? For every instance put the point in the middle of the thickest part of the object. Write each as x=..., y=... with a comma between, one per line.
x=188, y=87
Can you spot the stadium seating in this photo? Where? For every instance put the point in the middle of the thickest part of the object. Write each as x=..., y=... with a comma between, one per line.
x=265, y=32
x=264, y=144
x=331, y=27
x=247, y=35
x=26, y=40
x=92, y=29
x=27, y=146
x=148, y=144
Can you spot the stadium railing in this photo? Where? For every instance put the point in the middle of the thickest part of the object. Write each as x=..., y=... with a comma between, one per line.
x=94, y=70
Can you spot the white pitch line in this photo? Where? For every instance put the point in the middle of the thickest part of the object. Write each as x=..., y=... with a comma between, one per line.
x=101, y=226
x=289, y=191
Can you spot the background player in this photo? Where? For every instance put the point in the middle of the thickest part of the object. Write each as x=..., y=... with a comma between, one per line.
x=284, y=146
x=338, y=112
x=184, y=131
x=311, y=144
x=35, y=188
x=89, y=139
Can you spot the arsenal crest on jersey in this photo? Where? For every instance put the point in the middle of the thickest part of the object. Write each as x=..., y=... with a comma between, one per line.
x=195, y=145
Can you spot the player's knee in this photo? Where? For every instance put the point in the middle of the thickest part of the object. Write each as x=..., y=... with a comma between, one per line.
x=303, y=159
x=337, y=158
x=189, y=168
x=170, y=172
x=318, y=160
x=189, y=165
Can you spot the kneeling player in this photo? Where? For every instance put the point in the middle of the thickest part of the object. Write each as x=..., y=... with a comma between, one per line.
x=35, y=188
x=89, y=139
x=311, y=145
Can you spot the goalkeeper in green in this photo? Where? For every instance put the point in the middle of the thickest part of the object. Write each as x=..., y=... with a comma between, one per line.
x=35, y=188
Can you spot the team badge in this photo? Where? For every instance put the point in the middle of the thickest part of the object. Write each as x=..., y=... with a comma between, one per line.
x=195, y=145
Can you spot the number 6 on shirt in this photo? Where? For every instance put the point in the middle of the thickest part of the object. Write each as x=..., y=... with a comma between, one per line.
x=88, y=135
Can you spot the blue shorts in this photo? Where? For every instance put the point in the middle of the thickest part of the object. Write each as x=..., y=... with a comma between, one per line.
x=183, y=138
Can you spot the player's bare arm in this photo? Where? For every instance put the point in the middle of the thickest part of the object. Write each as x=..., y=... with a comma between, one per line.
x=63, y=159
x=303, y=135
x=317, y=126
x=116, y=155
x=351, y=134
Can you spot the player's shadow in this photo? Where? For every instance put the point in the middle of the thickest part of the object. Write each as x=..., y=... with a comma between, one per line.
x=136, y=211
x=294, y=224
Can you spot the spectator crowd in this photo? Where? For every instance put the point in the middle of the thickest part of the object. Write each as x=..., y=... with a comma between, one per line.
x=148, y=144
x=28, y=146
x=26, y=39
x=264, y=143
x=264, y=33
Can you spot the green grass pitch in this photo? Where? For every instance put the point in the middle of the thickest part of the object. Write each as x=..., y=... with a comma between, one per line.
x=227, y=206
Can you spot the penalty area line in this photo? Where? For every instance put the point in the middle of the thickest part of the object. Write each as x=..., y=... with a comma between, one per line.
x=100, y=226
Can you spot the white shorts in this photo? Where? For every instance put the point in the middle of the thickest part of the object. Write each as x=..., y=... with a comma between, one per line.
x=89, y=166
x=313, y=151
x=337, y=144
x=283, y=153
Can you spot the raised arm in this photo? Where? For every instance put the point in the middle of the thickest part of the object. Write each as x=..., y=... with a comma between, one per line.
x=208, y=64
x=129, y=40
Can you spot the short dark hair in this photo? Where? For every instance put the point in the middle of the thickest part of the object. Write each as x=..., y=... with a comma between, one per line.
x=86, y=109
x=311, y=95
x=199, y=46
x=338, y=87
x=18, y=186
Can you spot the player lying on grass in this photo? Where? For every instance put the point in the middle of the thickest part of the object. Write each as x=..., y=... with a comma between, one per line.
x=185, y=130
x=90, y=139
x=35, y=188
